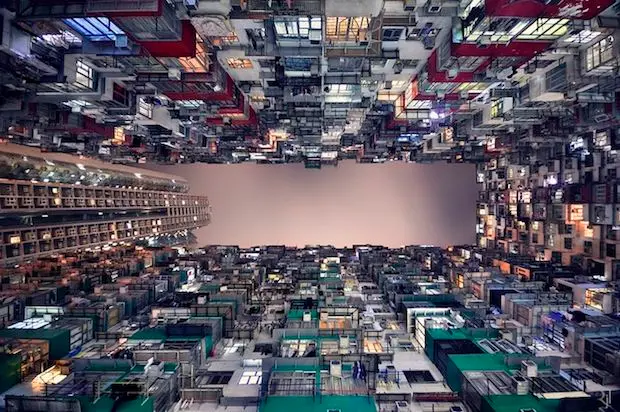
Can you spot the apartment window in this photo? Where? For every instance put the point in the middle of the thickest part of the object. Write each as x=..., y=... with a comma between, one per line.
x=251, y=378
x=583, y=37
x=189, y=104
x=568, y=243
x=544, y=29
x=227, y=40
x=84, y=74
x=347, y=28
x=420, y=104
x=497, y=108
x=600, y=53
x=239, y=63
x=144, y=108
x=197, y=64
x=340, y=89
x=390, y=34
x=470, y=64
x=610, y=250
x=297, y=28
x=298, y=63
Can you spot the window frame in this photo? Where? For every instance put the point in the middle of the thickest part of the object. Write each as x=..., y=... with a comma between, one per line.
x=347, y=29
x=145, y=109
x=84, y=74
x=599, y=53
x=239, y=63
x=392, y=33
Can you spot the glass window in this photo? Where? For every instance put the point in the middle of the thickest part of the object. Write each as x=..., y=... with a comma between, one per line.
x=251, y=378
x=497, y=108
x=600, y=53
x=583, y=37
x=298, y=63
x=84, y=75
x=390, y=34
x=239, y=63
x=145, y=108
x=298, y=28
x=197, y=64
x=347, y=28
x=95, y=28
x=545, y=29
x=340, y=89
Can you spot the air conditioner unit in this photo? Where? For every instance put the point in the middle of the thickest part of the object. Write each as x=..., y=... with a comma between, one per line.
x=531, y=67
x=452, y=73
x=314, y=36
x=433, y=8
x=191, y=4
x=529, y=368
x=600, y=118
x=483, y=42
x=398, y=67
x=402, y=406
x=428, y=42
x=174, y=74
x=409, y=5
x=120, y=41
x=521, y=385
x=464, y=95
x=441, y=95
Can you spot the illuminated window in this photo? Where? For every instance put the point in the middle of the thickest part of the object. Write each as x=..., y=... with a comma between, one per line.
x=197, y=64
x=251, y=378
x=347, y=28
x=545, y=29
x=190, y=104
x=399, y=84
x=297, y=28
x=145, y=108
x=583, y=37
x=341, y=89
x=594, y=298
x=497, y=108
x=388, y=96
x=227, y=40
x=420, y=104
x=600, y=53
x=239, y=63
x=471, y=87
x=84, y=74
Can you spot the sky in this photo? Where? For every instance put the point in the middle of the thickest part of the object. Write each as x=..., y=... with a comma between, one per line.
x=391, y=204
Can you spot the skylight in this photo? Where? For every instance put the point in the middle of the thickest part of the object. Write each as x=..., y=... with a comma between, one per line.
x=95, y=28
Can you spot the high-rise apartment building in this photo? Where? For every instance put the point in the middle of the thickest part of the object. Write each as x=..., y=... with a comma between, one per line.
x=52, y=202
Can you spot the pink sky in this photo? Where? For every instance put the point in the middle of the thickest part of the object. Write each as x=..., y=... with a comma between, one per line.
x=392, y=204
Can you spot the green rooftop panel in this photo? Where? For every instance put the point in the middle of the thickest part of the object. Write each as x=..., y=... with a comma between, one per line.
x=322, y=404
x=298, y=314
x=514, y=403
